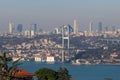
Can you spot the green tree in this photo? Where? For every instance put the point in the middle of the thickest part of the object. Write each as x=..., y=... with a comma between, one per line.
x=49, y=74
x=7, y=69
x=46, y=74
x=63, y=74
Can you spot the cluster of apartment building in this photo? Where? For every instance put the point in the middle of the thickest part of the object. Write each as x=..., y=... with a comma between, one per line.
x=36, y=50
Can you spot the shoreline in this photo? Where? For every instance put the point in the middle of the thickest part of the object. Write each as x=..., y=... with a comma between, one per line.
x=74, y=64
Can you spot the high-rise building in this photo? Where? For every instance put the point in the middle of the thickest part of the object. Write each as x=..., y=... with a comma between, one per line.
x=20, y=28
x=106, y=28
x=27, y=33
x=56, y=31
x=91, y=26
x=113, y=28
x=11, y=28
x=75, y=25
x=32, y=33
x=34, y=27
x=100, y=27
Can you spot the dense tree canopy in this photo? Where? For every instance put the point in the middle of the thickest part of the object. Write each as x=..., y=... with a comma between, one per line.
x=6, y=69
x=63, y=74
x=49, y=74
x=45, y=73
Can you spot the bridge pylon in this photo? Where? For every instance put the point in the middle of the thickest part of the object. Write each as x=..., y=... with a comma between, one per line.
x=65, y=36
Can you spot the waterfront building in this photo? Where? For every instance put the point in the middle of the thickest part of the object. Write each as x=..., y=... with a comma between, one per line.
x=38, y=59
x=50, y=59
x=16, y=58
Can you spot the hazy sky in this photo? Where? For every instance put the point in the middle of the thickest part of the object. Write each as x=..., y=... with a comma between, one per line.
x=54, y=13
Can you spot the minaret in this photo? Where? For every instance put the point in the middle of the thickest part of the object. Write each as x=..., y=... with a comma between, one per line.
x=75, y=27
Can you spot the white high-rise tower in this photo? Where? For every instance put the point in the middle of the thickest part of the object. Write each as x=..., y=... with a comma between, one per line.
x=11, y=28
x=91, y=25
x=75, y=27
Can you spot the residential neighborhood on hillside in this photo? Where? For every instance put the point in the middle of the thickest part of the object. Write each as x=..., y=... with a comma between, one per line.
x=85, y=47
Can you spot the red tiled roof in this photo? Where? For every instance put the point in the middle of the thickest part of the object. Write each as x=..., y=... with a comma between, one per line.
x=23, y=73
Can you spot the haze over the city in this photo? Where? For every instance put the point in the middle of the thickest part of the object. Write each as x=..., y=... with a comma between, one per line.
x=49, y=14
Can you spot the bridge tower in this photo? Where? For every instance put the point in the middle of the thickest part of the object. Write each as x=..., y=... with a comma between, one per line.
x=65, y=36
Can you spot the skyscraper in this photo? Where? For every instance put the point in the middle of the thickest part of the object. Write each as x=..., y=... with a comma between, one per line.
x=34, y=27
x=113, y=28
x=32, y=33
x=75, y=25
x=20, y=28
x=33, y=30
x=56, y=31
x=106, y=28
x=100, y=27
x=91, y=25
x=11, y=28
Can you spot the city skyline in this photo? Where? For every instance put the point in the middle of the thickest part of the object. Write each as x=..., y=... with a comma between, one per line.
x=51, y=14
